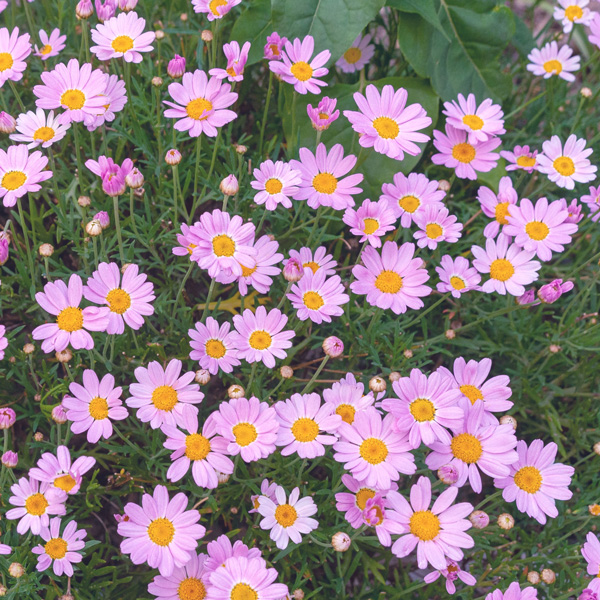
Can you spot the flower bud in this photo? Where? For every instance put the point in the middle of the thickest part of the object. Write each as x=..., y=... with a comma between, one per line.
x=10, y=459
x=28, y=348
x=229, y=186
x=160, y=34
x=298, y=594
x=548, y=576
x=293, y=270
x=333, y=346
x=241, y=149
x=533, y=577
x=84, y=201
x=206, y=35
x=554, y=348
x=46, y=250
x=84, y=9
x=183, y=17
x=202, y=377
x=38, y=397
x=594, y=509
x=93, y=228
x=64, y=356
x=586, y=92
x=377, y=384
x=286, y=372
x=510, y=420
x=408, y=353
x=16, y=570
x=450, y=334
x=394, y=376
x=127, y=5
x=59, y=414
x=3, y=590
x=173, y=157
x=38, y=436
x=506, y=521
x=527, y=298
x=176, y=67
x=134, y=179
x=7, y=122
x=113, y=184
x=103, y=218
x=222, y=478
x=588, y=594
x=444, y=185
x=7, y=417
x=3, y=250
x=448, y=474
x=157, y=81
x=597, y=448
x=552, y=291
x=341, y=541
x=105, y=11
x=479, y=519
x=235, y=391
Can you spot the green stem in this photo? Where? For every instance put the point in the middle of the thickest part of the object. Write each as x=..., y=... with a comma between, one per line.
x=284, y=296
x=208, y=297
x=265, y=114
x=26, y=238
x=421, y=315
x=198, y=151
x=118, y=228
x=137, y=449
x=314, y=377
x=78, y=154
x=13, y=87
x=132, y=212
x=252, y=374
x=183, y=281
x=262, y=220
x=210, y=172
x=292, y=140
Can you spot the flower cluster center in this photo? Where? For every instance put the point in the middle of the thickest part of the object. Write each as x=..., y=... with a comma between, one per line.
x=118, y=300
x=98, y=408
x=553, y=66
x=501, y=211
x=6, y=61
x=422, y=409
x=573, y=12
x=301, y=70
x=198, y=109
x=466, y=447
x=564, y=165
x=65, y=482
x=537, y=230
x=457, y=282
x=13, y=180
x=471, y=392
x=305, y=429
x=164, y=397
x=260, y=339
x=70, y=319
x=215, y=348
x=56, y=548
x=363, y=495
x=347, y=412
x=464, y=152
x=409, y=203
x=373, y=450
x=242, y=591
x=273, y=186
x=286, y=515
x=313, y=300
x=386, y=128
x=473, y=121
x=197, y=447
x=501, y=269
x=529, y=479
x=73, y=99
x=370, y=225
x=122, y=43
x=36, y=504
x=424, y=525
x=161, y=531
x=191, y=589
x=245, y=434
x=388, y=282
x=433, y=231
x=43, y=134
x=352, y=55
x=325, y=183
x=223, y=245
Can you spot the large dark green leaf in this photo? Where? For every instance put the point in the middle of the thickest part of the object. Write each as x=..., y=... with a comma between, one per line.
x=424, y=8
x=254, y=25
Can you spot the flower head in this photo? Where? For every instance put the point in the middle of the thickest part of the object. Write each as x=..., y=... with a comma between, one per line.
x=457, y=276
x=276, y=183
x=38, y=129
x=51, y=45
x=214, y=9
x=188, y=581
x=61, y=550
x=274, y=46
x=236, y=61
x=259, y=276
x=357, y=56
x=324, y=114
x=549, y=60
x=497, y=206
x=371, y=221
x=436, y=225
x=317, y=260
x=213, y=346
x=451, y=573
x=115, y=99
x=176, y=67
x=569, y=12
x=14, y=49
x=513, y=592
x=480, y=122
x=521, y=157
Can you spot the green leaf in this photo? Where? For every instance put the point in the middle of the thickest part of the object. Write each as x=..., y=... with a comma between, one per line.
x=254, y=25
x=523, y=39
x=424, y=8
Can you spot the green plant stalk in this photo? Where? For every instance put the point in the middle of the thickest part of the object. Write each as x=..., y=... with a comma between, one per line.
x=208, y=297
x=316, y=374
x=13, y=87
x=131, y=213
x=183, y=282
x=197, y=168
x=265, y=114
x=78, y=154
x=27, y=244
x=118, y=228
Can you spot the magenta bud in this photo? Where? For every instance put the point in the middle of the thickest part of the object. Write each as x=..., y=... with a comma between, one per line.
x=293, y=270
x=7, y=417
x=10, y=459
x=3, y=250
x=324, y=114
x=134, y=179
x=333, y=346
x=113, y=184
x=448, y=474
x=173, y=157
x=59, y=414
x=127, y=5
x=552, y=291
x=527, y=298
x=84, y=9
x=7, y=122
x=102, y=218
x=479, y=519
x=176, y=67
x=588, y=594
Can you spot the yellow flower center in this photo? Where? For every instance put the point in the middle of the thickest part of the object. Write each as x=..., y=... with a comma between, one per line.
x=409, y=203
x=36, y=504
x=197, y=446
x=501, y=212
x=388, y=282
x=463, y=153
x=501, y=269
x=305, y=429
x=286, y=515
x=313, y=266
x=370, y=225
x=373, y=450
x=553, y=66
x=347, y=412
x=198, y=109
x=466, y=447
x=122, y=43
x=215, y=348
x=98, y=408
x=46, y=49
x=352, y=55
x=56, y=548
x=473, y=121
x=573, y=12
x=246, y=272
x=594, y=509
x=422, y=410
x=118, y=300
x=43, y=134
x=528, y=479
x=363, y=495
x=164, y=397
x=73, y=99
x=242, y=591
x=6, y=61
x=386, y=128
x=70, y=319
x=273, y=186
x=65, y=483
x=214, y=4
x=260, y=339
x=13, y=180
x=313, y=300
x=537, y=230
x=223, y=245
x=301, y=70
x=564, y=165
x=161, y=531
x=526, y=161
x=433, y=231
x=245, y=433
x=230, y=71
x=325, y=183
x=274, y=49
x=424, y=525
x=379, y=514
x=191, y=589
x=323, y=116
x=457, y=283
x=472, y=393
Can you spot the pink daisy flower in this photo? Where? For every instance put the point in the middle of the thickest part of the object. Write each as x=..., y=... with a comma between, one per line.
x=14, y=49
x=593, y=202
x=594, y=35
x=260, y=336
x=510, y=267
x=497, y=206
x=475, y=447
x=299, y=68
x=451, y=573
x=106, y=166
x=324, y=181
x=371, y=221
x=436, y=225
x=301, y=418
x=259, y=276
x=274, y=46
x=467, y=159
x=115, y=99
x=266, y=489
x=591, y=552
x=188, y=239
x=276, y=183
x=38, y=129
x=214, y=9
x=549, y=61
x=200, y=104
x=513, y=592
x=72, y=323
x=161, y=532
x=51, y=45
x=236, y=61
x=376, y=514
x=60, y=550
x=3, y=341
x=386, y=124
x=324, y=114
x=319, y=261
x=407, y=196
x=347, y=396
x=521, y=157
x=393, y=279
x=357, y=56
x=94, y=405
x=164, y=396
x=457, y=276
x=213, y=346
x=221, y=550
x=536, y=481
x=21, y=173
x=122, y=37
x=249, y=426
x=570, y=12
x=3, y=5
x=437, y=532
x=574, y=209
x=287, y=518
x=480, y=122
x=188, y=581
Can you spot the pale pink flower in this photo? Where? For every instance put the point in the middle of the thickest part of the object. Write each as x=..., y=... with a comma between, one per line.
x=591, y=553
x=497, y=206
x=38, y=129
x=357, y=56
x=324, y=114
x=189, y=579
x=513, y=592
x=319, y=260
x=569, y=12
x=593, y=202
x=521, y=157
x=236, y=61
x=550, y=60
x=276, y=184
x=60, y=550
x=115, y=99
x=568, y=164
x=457, y=276
x=274, y=46
x=51, y=45
x=14, y=49
x=451, y=573
x=436, y=225
x=347, y=396
x=481, y=122
x=371, y=221
x=213, y=346
x=214, y=9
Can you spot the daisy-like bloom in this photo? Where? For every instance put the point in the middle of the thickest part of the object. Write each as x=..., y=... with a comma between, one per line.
x=275, y=183
x=122, y=37
x=457, y=276
x=38, y=129
x=536, y=481
x=371, y=221
x=14, y=49
x=205, y=452
x=393, y=279
x=299, y=68
x=260, y=336
x=375, y=515
x=236, y=61
x=34, y=502
x=249, y=426
x=409, y=195
x=467, y=159
x=161, y=532
x=72, y=322
x=274, y=46
x=60, y=550
x=497, y=206
x=129, y=300
x=317, y=297
x=185, y=583
x=424, y=407
x=594, y=36
x=574, y=209
x=541, y=228
x=213, y=346
x=437, y=532
x=451, y=573
x=324, y=181
x=221, y=549
x=357, y=56
x=521, y=157
x=386, y=124
x=591, y=552
x=52, y=44
x=373, y=451
x=266, y=489
x=568, y=164
x=347, y=397
x=214, y=9
x=320, y=260
x=436, y=225
x=513, y=592
x=287, y=518
x=188, y=239
x=163, y=396
x=475, y=446
x=60, y=471
x=570, y=12
x=94, y=405
x=259, y=276
x=77, y=89
x=549, y=61
x=510, y=267
x=593, y=202
x=480, y=122
x=3, y=341
x=115, y=99
x=21, y=173
x=301, y=418
x=324, y=114
x=200, y=104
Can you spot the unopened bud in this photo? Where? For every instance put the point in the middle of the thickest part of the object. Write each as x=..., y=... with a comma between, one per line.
x=586, y=92
x=46, y=250
x=84, y=9
x=341, y=541
x=223, y=478
x=377, y=384
x=176, y=67
x=206, y=35
x=173, y=157
x=229, y=186
x=10, y=459
x=28, y=348
x=202, y=376
x=59, y=414
x=298, y=594
x=444, y=185
x=16, y=570
x=479, y=519
x=597, y=448
x=3, y=590
x=134, y=179
x=235, y=391
x=554, y=348
x=450, y=334
x=333, y=346
x=7, y=417
x=64, y=356
x=506, y=521
x=183, y=17
x=293, y=270
x=533, y=577
x=286, y=372
x=241, y=149
x=93, y=228
x=7, y=122
x=103, y=218
x=394, y=376
x=84, y=201
x=548, y=576
x=408, y=353
x=588, y=594
x=157, y=81
x=508, y=420
x=38, y=436
x=448, y=474
x=160, y=34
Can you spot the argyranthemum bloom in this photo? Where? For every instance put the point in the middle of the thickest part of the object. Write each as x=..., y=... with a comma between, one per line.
x=60, y=550
x=188, y=239
x=299, y=68
x=94, y=405
x=185, y=583
x=437, y=532
x=286, y=518
x=568, y=164
x=372, y=450
x=324, y=114
x=371, y=221
x=513, y=592
x=451, y=573
x=213, y=346
x=475, y=446
x=221, y=549
x=325, y=180
x=72, y=323
x=249, y=426
x=549, y=60
x=129, y=300
x=274, y=46
x=260, y=336
x=457, y=276
x=161, y=532
x=51, y=44
x=541, y=228
x=467, y=159
x=302, y=417
x=266, y=489
x=122, y=37
x=3, y=341
x=259, y=276
x=77, y=89
x=206, y=452
x=409, y=195
x=591, y=553
x=200, y=104
x=14, y=49
x=386, y=124
x=214, y=9
x=521, y=157
x=21, y=173
x=347, y=398
x=480, y=122
x=236, y=61
x=353, y=504
x=376, y=514
x=570, y=12
x=436, y=225
x=319, y=260
x=276, y=184
x=594, y=36
x=34, y=502
x=393, y=279
x=510, y=267
x=38, y=129
x=357, y=56
x=593, y=202
x=497, y=206
x=164, y=396
x=536, y=481
x=115, y=99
